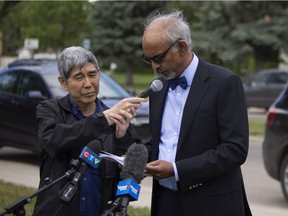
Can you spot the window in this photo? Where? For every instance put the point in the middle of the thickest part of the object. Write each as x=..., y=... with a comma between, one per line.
x=280, y=78
x=30, y=82
x=258, y=80
x=7, y=82
x=283, y=102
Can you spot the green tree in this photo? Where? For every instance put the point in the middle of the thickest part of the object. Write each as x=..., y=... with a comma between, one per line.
x=9, y=27
x=232, y=33
x=118, y=29
x=57, y=24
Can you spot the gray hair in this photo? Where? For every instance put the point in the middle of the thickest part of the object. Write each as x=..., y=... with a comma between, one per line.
x=174, y=26
x=74, y=56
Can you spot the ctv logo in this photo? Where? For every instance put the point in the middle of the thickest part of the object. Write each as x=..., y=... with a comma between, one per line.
x=90, y=157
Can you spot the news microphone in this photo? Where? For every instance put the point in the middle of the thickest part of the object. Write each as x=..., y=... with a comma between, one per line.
x=133, y=172
x=87, y=157
x=155, y=86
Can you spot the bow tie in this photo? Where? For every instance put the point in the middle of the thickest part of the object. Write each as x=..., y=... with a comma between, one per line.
x=180, y=81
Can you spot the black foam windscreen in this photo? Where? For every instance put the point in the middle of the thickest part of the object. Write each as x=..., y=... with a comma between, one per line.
x=94, y=146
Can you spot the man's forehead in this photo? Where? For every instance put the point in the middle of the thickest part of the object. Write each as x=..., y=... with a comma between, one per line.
x=153, y=32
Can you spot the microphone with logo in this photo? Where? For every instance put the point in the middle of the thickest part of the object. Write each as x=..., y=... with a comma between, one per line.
x=132, y=174
x=87, y=157
x=155, y=86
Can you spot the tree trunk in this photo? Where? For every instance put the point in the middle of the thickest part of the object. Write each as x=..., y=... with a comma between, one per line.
x=129, y=75
x=265, y=57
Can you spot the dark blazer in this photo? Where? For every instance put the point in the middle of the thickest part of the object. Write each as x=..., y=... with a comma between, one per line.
x=212, y=145
x=63, y=135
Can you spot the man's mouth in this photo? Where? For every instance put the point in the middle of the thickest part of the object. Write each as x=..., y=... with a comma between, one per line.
x=88, y=94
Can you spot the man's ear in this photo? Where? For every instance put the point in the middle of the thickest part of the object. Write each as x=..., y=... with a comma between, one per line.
x=62, y=82
x=183, y=47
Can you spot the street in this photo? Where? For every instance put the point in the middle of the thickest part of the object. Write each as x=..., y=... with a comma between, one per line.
x=264, y=193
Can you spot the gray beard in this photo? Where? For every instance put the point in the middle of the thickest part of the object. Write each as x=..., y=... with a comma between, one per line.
x=169, y=75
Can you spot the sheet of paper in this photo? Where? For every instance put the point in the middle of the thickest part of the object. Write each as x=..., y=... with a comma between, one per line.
x=112, y=157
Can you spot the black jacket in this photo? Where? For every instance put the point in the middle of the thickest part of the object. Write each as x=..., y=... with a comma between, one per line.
x=63, y=136
x=213, y=144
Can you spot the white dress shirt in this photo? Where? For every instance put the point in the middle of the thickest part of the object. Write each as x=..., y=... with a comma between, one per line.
x=171, y=123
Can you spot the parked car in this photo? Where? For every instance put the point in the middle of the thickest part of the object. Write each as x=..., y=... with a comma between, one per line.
x=275, y=144
x=23, y=84
x=264, y=87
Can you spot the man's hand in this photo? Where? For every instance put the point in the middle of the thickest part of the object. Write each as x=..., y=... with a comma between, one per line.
x=160, y=169
x=122, y=113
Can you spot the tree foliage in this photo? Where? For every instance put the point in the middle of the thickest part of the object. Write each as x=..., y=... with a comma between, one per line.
x=118, y=29
x=232, y=32
x=242, y=35
x=57, y=24
x=9, y=27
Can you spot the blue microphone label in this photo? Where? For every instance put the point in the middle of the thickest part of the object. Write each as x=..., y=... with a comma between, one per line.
x=90, y=157
x=128, y=187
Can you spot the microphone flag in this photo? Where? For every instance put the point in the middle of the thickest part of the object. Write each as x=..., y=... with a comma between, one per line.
x=90, y=157
x=128, y=187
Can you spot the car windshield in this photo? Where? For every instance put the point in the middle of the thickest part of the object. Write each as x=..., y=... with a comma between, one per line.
x=109, y=89
x=53, y=84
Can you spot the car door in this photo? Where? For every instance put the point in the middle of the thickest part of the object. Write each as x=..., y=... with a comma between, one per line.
x=255, y=87
x=262, y=89
x=30, y=90
x=8, y=107
x=18, y=125
x=274, y=85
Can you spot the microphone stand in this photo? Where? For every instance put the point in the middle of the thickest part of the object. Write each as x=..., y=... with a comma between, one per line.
x=17, y=208
x=121, y=202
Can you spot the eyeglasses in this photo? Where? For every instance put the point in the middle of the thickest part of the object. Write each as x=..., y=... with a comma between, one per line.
x=158, y=58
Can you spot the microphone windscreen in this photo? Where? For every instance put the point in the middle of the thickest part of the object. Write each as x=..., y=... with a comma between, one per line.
x=156, y=85
x=135, y=163
x=94, y=146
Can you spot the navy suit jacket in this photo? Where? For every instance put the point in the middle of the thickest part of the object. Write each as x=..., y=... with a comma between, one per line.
x=212, y=145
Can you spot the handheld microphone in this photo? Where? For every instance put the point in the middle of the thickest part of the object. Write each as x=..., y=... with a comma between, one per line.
x=155, y=86
x=87, y=157
x=133, y=172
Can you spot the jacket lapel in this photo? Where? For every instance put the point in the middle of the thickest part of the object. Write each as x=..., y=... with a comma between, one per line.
x=197, y=92
x=156, y=115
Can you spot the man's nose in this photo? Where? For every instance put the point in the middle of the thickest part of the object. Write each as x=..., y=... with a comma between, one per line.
x=155, y=65
x=87, y=81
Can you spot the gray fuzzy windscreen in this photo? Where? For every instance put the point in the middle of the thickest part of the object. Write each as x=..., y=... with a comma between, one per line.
x=135, y=163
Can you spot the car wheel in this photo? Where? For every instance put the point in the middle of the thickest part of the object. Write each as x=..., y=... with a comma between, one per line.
x=284, y=177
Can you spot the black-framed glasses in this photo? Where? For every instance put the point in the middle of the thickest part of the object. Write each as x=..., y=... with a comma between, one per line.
x=158, y=58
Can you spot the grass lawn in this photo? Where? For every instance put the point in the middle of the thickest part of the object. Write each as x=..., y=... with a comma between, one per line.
x=257, y=127
x=140, y=81
x=9, y=193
